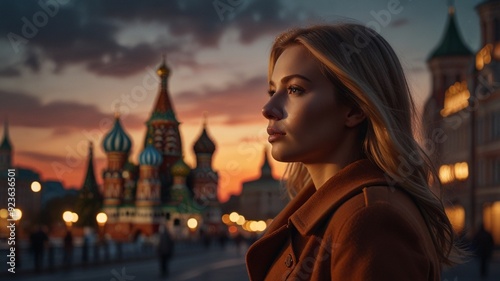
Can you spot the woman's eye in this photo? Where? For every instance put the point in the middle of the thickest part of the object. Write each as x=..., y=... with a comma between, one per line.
x=295, y=90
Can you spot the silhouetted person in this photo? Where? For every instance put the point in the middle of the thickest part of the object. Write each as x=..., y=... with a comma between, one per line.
x=484, y=243
x=38, y=241
x=85, y=249
x=68, y=249
x=165, y=249
x=238, y=239
x=205, y=238
x=222, y=239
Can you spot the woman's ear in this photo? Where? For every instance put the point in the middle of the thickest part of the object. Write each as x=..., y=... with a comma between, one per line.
x=354, y=117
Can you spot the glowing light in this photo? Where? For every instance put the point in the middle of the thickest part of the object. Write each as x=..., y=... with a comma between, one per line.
x=445, y=174
x=101, y=218
x=4, y=213
x=252, y=226
x=68, y=216
x=456, y=98
x=16, y=214
x=233, y=217
x=36, y=186
x=225, y=219
x=491, y=219
x=241, y=220
x=192, y=223
x=483, y=57
x=261, y=226
x=456, y=215
x=74, y=218
x=232, y=229
x=461, y=171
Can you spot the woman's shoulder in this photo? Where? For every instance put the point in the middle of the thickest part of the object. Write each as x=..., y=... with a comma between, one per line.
x=377, y=204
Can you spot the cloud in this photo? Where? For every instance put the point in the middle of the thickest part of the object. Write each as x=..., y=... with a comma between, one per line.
x=9, y=72
x=62, y=116
x=85, y=32
x=238, y=103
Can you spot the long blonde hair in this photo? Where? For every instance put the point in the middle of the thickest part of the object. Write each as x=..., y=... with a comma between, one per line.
x=367, y=74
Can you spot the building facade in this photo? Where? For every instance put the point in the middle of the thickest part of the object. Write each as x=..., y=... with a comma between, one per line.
x=260, y=199
x=462, y=122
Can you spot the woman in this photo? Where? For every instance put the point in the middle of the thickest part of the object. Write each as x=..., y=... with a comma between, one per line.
x=340, y=113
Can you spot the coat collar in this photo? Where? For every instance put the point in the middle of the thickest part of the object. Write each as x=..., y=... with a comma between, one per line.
x=311, y=206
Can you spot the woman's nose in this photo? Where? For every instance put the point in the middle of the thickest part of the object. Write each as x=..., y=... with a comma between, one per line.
x=272, y=111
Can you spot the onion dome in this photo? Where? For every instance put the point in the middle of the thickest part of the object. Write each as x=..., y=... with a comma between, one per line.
x=163, y=70
x=150, y=156
x=180, y=168
x=117, y=140
x=204, y=144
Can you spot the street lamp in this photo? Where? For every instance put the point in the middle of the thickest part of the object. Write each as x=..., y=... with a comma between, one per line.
x=101, y=219
x=69, y=218
x=16, y=214
x=36, y=186
x=192, y=223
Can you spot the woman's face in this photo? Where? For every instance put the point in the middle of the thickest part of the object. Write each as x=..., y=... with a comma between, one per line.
x=306, y=122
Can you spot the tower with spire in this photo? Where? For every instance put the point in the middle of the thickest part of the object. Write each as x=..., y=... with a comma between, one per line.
x=5, y=149
x=163, y=130
x=449, y=64
x=89, y=200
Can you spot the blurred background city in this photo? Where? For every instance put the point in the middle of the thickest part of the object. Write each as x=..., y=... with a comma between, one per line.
x=123, y=116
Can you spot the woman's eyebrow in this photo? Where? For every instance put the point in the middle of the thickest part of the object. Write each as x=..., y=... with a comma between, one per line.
x=289, y=77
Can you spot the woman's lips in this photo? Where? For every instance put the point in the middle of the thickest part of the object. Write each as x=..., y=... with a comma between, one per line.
x=274, y=134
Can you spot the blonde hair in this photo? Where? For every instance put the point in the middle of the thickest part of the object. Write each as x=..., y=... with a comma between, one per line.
x=367, y=74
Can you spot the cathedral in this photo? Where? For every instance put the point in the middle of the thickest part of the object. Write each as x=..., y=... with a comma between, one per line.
x=461, y=122
x=162, y=188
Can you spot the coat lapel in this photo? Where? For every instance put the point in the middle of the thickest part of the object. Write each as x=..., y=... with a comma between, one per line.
x=338, y=189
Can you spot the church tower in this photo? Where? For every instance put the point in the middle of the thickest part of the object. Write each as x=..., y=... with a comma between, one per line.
x=148, y=185
x=163, y=127
x=205, y=180
x=449, y=64
x=117, y=146
x=5, y=149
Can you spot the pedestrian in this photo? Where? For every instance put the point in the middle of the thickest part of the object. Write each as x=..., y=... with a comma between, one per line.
x=238, y=240
x=165, y=249
x=341, y=114
x=38, y=243
x=68, y=248
x=484, y=244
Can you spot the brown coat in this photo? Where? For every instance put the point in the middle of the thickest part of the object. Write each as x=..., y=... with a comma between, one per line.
x=354, y=227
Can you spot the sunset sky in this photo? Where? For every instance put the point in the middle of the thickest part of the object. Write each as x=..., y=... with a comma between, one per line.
x=65, y=67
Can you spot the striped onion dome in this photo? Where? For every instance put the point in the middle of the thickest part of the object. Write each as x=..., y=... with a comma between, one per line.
x=150, y=156
x=117, y=140
x=180, y=168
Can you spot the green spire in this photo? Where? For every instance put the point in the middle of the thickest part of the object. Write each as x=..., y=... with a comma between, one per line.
x=451, y=43
x=6, y=145
x=89, y=199
x=90, y=184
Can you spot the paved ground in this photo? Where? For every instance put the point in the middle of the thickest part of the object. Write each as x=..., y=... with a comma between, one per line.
x=214, y=264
